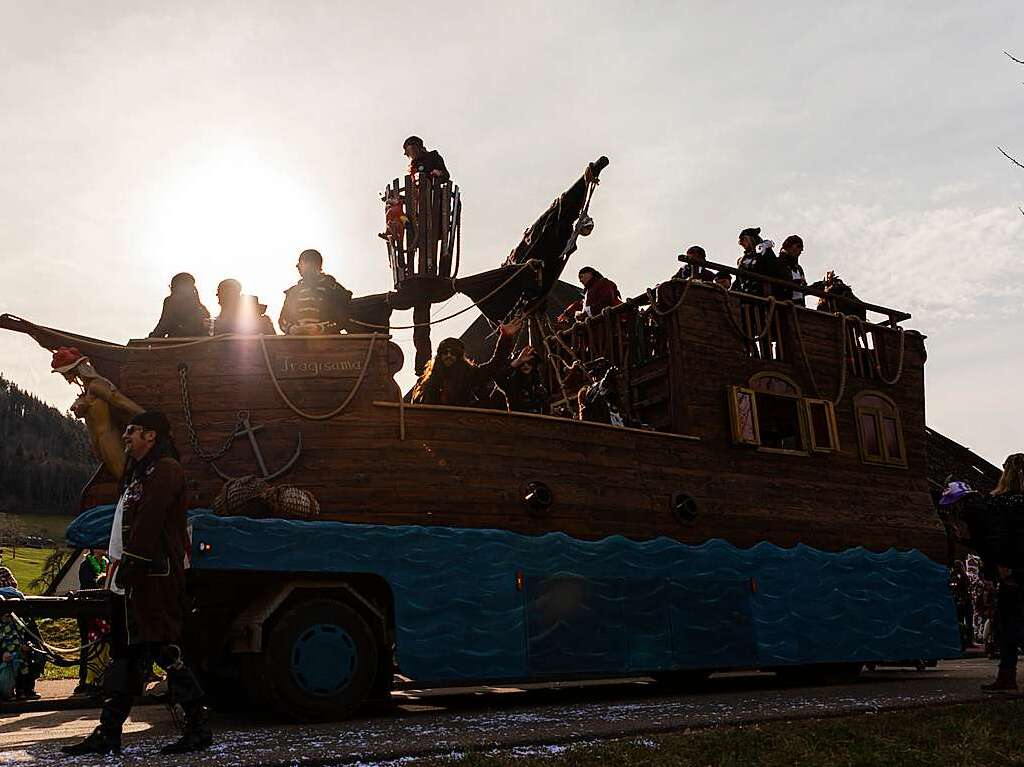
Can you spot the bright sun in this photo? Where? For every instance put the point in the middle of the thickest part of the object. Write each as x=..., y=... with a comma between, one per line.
x=233, y=213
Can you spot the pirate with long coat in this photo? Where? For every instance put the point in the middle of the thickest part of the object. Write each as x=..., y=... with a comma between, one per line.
x=148, y=541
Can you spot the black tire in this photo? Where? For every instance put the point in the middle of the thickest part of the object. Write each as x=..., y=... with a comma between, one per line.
x=320, y=661
x=819, y=673
x=686, y=680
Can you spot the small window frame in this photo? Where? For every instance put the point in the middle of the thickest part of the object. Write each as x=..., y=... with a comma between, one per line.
x=878, y=415
x=734, y=415
x=830, y=417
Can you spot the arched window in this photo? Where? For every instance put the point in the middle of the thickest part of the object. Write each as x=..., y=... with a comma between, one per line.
x=771, y=414
x=879, y=430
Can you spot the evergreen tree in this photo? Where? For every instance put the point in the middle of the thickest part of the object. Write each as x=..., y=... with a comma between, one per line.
x=45, y=455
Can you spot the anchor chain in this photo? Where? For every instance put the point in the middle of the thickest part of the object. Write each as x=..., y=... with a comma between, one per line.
x=193, y=438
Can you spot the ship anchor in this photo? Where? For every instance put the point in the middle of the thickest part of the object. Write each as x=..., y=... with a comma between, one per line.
x=248, y=430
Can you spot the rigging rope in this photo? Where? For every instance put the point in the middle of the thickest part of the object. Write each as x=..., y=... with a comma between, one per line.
x=321, y=416
x=532, y=264
x=652, y=294
x=899, y=367
x=772, y=303
x=803, y=352
x=53, y=649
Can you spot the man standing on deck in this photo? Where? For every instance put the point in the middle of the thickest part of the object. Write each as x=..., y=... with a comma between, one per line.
x=148, y=541
x=317, y=304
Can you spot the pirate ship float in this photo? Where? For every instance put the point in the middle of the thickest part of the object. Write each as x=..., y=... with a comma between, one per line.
x=764, y=504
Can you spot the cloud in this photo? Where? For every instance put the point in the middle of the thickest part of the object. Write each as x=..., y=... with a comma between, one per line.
x=945, y=263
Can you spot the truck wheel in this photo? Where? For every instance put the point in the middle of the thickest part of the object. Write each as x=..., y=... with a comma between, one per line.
x=819, y=673
x=684, y=680
x=321, y=661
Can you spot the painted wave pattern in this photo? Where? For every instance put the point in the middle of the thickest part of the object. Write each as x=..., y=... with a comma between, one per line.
x=614, y=605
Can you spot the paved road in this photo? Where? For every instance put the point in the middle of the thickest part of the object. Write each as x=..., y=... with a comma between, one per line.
x=446, y=721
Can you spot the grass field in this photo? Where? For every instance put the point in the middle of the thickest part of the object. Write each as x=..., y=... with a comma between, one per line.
x=26, y=565
x=62, y=632
x=44, y=525
x=974, y=735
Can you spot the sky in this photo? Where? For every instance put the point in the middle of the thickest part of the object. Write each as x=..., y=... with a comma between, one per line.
x=142, y=139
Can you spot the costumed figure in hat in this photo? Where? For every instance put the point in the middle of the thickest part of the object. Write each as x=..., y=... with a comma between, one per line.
x=103, y=408
x=452, y=379
x=148, y=544
x=317, y=304
x=993, y=527
x=759, y=258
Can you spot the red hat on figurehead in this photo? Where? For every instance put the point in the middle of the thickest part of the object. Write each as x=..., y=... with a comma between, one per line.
x=66, y=358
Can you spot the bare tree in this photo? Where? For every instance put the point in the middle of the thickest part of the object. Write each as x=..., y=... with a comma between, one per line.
x=1002, y=151
x=11, y=533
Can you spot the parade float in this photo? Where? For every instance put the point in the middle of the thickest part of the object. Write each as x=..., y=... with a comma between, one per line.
x=759, y=499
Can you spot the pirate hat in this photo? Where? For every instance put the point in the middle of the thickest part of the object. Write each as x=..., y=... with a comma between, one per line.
x=66, y=358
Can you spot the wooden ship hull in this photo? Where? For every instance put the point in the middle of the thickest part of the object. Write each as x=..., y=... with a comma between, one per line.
x=764, y=504
x=384, y=462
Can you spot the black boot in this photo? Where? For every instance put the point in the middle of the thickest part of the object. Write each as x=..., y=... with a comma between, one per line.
x=102, y=740
x=197, y=735
x=1005, y=684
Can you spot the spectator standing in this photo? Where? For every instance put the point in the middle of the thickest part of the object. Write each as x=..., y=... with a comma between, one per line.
x=600, y=293
x=183, y=314
x=699, y=271
x=317, y=304
x=789, y=263
x=758, y=258
x=7, y=579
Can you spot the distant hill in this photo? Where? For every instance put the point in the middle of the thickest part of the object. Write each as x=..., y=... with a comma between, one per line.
x=45, y=458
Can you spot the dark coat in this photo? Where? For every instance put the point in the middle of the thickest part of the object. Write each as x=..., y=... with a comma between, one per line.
x=183, y=316
x=766, y=263
x=701, y=273
x=839, y=288
x=792, y=271
x=313, y=301
x=996, y=525
x=430, y=161
x=463, y=384
x=525, y=393
x=155, y=536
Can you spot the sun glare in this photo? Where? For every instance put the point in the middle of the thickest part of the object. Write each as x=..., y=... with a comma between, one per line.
x=233, y=213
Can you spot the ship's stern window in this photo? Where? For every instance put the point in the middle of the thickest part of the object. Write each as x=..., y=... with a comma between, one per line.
x=772, y=415
x=879, y=430
x=779, y=421
x=821, y=421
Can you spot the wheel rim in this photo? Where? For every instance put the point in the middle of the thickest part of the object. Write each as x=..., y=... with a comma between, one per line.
x=323, y=660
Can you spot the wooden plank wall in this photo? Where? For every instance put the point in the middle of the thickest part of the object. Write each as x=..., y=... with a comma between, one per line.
x=468, y=468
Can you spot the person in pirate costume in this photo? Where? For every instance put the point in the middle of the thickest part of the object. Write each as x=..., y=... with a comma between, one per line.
x=317, y=304
x=522, y=384
x=423, y=160
x=148, y=542
x=758, y=257
x=451, y=379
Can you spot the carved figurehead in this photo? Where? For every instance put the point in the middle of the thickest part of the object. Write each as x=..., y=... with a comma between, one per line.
x=104, y=409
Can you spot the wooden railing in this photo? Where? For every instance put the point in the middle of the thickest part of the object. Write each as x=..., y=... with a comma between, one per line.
x=428, y=242
x=894, y=317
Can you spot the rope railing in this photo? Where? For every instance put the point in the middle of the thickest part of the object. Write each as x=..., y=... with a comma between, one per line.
x=317, y=416
x=895, y=316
